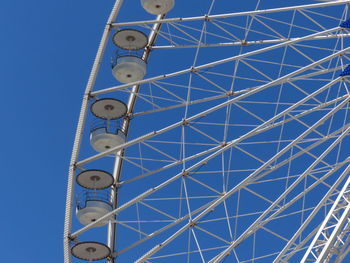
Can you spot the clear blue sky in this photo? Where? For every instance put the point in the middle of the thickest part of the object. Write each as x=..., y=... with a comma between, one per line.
x=47, y=49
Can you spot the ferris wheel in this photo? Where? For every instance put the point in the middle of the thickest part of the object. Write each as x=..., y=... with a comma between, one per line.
x=212, y=131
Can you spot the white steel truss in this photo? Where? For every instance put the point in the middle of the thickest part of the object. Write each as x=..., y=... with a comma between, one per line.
x=331, y=240
x=242, y=144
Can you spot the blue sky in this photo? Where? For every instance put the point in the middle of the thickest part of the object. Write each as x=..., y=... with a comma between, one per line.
x=47, y=51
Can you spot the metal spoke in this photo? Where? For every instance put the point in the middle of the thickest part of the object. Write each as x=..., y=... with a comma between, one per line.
x=228, y=140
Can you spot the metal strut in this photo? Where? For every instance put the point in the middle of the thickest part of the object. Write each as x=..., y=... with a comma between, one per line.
x=112, y=228
x=332, y=240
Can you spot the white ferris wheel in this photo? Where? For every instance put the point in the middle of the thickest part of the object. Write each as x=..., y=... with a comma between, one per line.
x=219, y=132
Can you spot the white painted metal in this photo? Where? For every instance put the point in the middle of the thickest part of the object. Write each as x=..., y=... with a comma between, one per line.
x=130, y=39
x=212, y=64
x=331, y=192
x=112, y=229
x=158, y=7
x=278, y=81
x=79, y=131
x=250, y=230
x=249, y=13
x=334, y=231
x=108, y=109
x=247, y=43
x=308, y=130
x=129, y=69
x=95, y=179
x=222, y=148
x=90, y=251
x=93, y=211
x=102, y=140
x=250, y=179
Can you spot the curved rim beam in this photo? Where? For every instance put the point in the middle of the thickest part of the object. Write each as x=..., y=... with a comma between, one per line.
x=80, y=128
x=83, y=112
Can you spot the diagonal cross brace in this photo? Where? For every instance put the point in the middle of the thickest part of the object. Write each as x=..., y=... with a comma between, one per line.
x=334, y=230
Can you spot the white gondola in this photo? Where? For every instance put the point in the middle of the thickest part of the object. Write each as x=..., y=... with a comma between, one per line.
x=106, y=132
x=129, y=69
x=129, y=65
x=130, y=39
x=158, y=7
x=102, y=140
x=95, y=179
x=108, y=109
x=90, y=251
x=91, y=205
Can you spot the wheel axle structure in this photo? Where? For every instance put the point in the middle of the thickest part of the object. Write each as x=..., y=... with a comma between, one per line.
x=220, y=133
